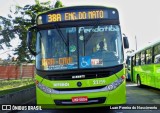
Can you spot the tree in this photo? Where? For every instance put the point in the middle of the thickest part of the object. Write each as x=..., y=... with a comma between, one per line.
x=17, y=24
x=58, y=4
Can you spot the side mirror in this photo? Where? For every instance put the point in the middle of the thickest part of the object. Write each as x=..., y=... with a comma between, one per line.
x=29, y=40
x=126, y=43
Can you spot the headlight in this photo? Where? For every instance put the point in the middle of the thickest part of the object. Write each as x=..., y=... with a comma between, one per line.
x=46, y=89
x=114, y=85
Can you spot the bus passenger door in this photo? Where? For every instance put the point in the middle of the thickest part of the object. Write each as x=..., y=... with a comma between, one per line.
x=150, y=75
x=157, y=75
x=150, y=68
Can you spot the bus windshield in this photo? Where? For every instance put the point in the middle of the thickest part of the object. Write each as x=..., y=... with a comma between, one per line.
x=79, y=47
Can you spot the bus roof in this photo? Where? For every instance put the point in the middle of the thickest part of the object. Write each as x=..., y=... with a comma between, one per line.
x=147, y=47
x=76, y=7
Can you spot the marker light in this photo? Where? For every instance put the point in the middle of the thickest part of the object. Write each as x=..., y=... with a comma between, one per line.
x=36, y=82
x=123, y=77
x=39, y=20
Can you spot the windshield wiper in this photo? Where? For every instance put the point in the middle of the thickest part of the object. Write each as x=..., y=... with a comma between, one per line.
x=61, y=34
x=40, y=37
x=91, y=33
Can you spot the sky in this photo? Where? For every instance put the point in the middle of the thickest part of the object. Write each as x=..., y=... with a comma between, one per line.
x=138, y=18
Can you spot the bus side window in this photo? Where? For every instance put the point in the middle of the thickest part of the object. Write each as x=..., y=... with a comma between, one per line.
x=133, y=59
x=149, y=56
x=138, y=62
x=143, y=58
x=156, y=54
x=157, y=59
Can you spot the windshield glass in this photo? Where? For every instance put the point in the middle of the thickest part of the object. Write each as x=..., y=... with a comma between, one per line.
x=79, y=47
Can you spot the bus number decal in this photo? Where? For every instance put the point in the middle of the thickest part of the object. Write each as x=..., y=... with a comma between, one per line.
x=96, y=82
x=54, y=17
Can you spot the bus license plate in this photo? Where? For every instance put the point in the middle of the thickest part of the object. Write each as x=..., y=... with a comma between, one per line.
x=80, y=99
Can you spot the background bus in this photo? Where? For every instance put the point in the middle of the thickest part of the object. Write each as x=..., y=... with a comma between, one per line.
x=129, y=68
x=146, y=66
x=79, y=57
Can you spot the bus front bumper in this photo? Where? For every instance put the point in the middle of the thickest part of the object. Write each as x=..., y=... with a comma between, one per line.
x=95, y=99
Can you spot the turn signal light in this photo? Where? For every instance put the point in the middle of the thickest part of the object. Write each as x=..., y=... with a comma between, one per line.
x=123, y=77
x=36, y=82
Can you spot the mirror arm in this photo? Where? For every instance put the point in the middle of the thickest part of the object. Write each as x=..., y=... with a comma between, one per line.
x=29, y=39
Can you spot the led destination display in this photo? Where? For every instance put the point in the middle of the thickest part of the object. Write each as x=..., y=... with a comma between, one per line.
x=77, y=14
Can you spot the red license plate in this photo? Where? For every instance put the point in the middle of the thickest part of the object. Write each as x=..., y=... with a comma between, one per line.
x=80, y=99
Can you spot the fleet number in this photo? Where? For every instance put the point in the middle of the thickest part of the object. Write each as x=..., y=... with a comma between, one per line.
x=95, y=82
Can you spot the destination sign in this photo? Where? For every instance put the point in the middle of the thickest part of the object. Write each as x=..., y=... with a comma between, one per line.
x=81, y=14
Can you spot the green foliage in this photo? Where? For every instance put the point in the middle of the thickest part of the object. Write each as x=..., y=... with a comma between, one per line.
x=58, y=4
x=17, y=24
x=9, y=84
x=7, y=91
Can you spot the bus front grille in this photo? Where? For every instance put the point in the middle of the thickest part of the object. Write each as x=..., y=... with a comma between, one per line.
x=78, y=76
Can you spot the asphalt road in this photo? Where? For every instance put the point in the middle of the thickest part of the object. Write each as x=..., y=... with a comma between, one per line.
x=136, y=97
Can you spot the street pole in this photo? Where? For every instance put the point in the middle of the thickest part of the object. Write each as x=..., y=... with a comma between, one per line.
x=136, y=42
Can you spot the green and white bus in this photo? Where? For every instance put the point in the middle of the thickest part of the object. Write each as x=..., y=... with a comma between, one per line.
x=146, y=66
x=128, y=68
x=79, y=57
